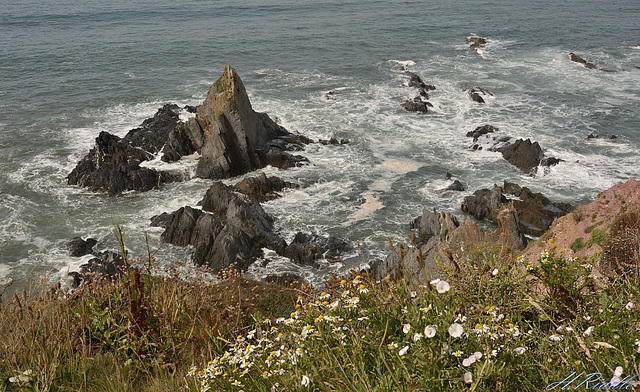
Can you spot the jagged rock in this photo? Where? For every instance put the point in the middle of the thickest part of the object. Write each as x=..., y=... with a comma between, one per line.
x=153, y=132
x=485, y=203
x=306, y=248
x=217, y=199
x=416, y=105
x=262, y=188
x=550, y=161
x=333, y=141
x=431, y=224
x=78, y=247
x=179, y=227
x=235, y=136
x=113, y=166
x=535, y=212
x=256, y=223
x=578, y=59
x=185, y=139
x=456, y=186
x=232, y=246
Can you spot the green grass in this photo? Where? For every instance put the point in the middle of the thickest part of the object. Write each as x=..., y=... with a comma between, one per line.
x=499, y=323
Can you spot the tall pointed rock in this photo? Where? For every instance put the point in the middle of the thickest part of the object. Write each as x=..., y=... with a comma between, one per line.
x=233, y=132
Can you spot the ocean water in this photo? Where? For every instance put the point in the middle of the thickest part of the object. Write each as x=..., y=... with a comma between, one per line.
x=70, y=69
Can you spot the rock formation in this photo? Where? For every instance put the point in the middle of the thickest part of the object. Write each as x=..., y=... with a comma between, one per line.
x=113, y=164
x=523, y=154
x=231, y=137
x=535, y=212
x=419, y=103
x=233, y=230
x=437, y=238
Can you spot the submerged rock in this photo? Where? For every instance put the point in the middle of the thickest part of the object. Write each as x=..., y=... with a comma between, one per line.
x=262, y=188
x=477, y=94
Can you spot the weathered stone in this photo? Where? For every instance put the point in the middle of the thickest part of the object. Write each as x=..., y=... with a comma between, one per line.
x=479, y=131
x=217, y=199
x=235, y=136
x=153, y=132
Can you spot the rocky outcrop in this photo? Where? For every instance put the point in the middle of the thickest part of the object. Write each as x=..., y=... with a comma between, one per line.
x=113, y=164
x=231, y=230
x=231, y=137
x=535, y=212
x=437, y=238
x=476, y=43
x=106, y=265
x=523, y=154
x=420, y=103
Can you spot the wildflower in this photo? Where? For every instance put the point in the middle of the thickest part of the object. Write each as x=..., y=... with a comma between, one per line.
x=305, y=381
x=425, y=310
x=495, y=272
x=414, y=294
x=529, y=267
x=478, y=355
x=334, y=304
x=430, y=331
x=466, y=362
x=192, y=371
x=417, y=337
x=630, y=305
x=460, y=318
x=434, y=282
x=468, y=378
x=519, y=259
x=442, y=287
x=362, y=289
x=403, y=351
x=392, y=345
x=343, y=282
x=520, y=350
x=324, y=295
x=406, y=328
x=405, y=310
x=556, y=337
x=457, y=353
x=456, y=330
x=616, y=376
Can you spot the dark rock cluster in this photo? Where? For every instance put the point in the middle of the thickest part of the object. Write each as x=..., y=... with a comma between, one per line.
x=420, y=103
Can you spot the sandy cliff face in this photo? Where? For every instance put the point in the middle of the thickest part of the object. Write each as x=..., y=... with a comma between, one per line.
x=583, y=228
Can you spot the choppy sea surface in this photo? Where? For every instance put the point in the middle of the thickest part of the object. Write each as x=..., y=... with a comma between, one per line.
x=70, y=69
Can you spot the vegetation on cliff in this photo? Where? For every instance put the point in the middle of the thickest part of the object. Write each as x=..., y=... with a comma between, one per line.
x=548, y=318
